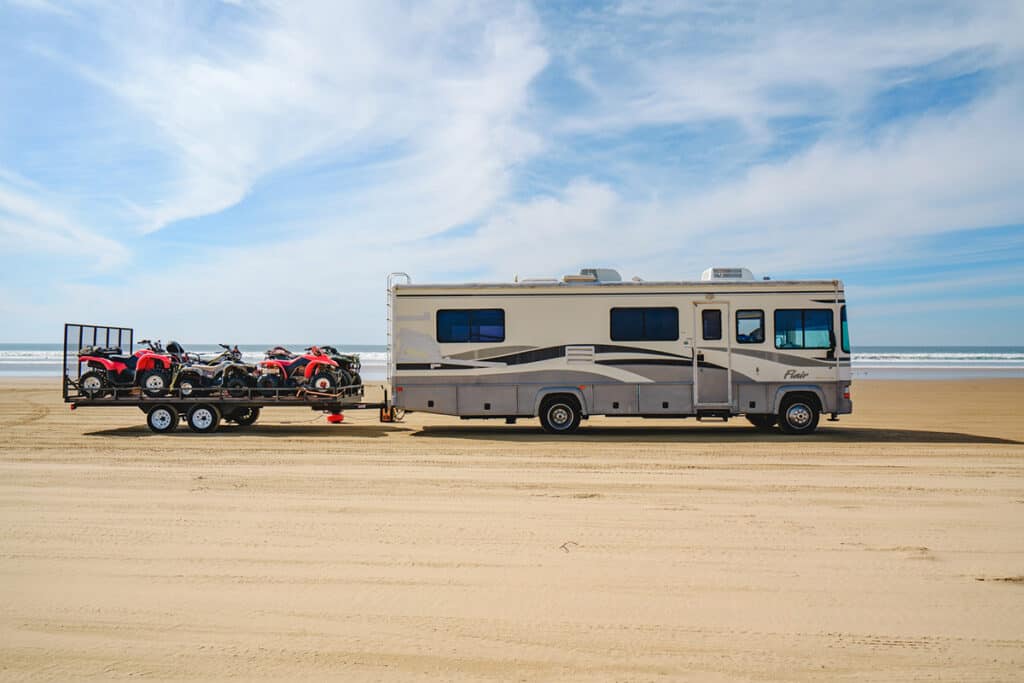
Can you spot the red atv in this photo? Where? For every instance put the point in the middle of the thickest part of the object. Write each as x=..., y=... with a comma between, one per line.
x=283, y=372
x=148, y=368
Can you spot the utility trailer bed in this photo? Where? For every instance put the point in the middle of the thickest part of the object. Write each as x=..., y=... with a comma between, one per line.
x=204, y=408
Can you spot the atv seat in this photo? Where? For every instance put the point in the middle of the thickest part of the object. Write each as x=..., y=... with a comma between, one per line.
x=107, y=351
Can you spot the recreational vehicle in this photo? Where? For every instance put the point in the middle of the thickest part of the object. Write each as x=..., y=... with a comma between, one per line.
x=776, y=352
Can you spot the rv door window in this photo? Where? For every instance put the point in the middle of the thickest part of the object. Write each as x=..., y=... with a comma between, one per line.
x=808, y=328
x=749, y=327
x=471, y=325
x=645, y=324
x=711, y=322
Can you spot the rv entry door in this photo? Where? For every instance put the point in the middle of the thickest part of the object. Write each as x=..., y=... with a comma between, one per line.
x=712, y=355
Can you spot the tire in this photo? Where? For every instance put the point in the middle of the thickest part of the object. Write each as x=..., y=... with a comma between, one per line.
x=560, y=414
x=237, y=387
x=763, y=423
x=323, y=382
x=94, y=384
x=154, y=382
x=203, y=418
x=189, y=385
x=268, y=385
x=345, y=381
x=244, y=417
x=799, y=414
x=162, y=419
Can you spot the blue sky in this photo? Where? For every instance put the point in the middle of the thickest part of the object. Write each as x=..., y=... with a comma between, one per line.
x=235, y=171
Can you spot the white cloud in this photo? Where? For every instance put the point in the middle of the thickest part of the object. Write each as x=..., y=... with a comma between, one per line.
x=443, y=83
x=30, y=223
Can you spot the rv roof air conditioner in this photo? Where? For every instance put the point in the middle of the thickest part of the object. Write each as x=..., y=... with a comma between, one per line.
x=727, y=275
x=595, y=275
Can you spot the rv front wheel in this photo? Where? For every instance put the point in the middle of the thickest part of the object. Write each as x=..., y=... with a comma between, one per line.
x=799, y=415
x=560, y=414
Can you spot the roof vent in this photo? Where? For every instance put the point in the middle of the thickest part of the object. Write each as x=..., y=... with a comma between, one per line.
x=726, y=275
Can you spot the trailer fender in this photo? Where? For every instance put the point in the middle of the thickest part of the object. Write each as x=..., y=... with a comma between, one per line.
x=781, y=392
x=548, y=391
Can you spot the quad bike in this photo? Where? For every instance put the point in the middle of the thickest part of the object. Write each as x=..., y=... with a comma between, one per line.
x=349, y=365
x=283, y=372
x=109, y=370
x=226, y=369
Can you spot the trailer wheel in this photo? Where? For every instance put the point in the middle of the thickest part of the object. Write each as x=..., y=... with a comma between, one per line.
x=154, y=382
x=560, y=414
x=203, y=418
x=244, y=417
x=162, y=419
x=799, y=414
x=762, y=422
x=94, y=384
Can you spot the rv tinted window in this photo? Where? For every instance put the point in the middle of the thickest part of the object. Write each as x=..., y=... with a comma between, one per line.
x=845, y=330
x=749, y=327
x=644, y=324
x=803, y=329
x=471, y=325
x=711, y=322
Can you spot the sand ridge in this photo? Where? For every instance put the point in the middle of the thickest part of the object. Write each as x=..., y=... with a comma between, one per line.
x=889, y=546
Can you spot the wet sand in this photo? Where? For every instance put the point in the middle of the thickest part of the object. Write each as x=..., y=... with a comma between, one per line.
x=888, y=546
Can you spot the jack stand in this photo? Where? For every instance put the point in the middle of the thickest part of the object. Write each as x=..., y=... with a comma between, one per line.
x=834, y=418
x=335, y=418
x=510, y=420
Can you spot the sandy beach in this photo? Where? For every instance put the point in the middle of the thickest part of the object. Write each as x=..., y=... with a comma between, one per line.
x=888, y=546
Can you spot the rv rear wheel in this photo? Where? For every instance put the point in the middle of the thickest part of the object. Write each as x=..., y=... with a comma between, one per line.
x=162, y=419
x=560, y=414
x=762, y=422
x=203, y=418
x=799, y=414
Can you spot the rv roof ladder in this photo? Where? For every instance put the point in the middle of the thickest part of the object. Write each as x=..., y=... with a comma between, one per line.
x=390, y=322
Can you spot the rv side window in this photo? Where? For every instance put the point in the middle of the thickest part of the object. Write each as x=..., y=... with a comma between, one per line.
x=711, y=322
x=809, y=328
x=471, y=325
x=844, y=329
x=645, y=324
x=749, y=327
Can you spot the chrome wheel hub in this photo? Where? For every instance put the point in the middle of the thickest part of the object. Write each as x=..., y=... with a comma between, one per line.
x=92, y=383
x=154, y=382
x=560, y=416
x=798, y=415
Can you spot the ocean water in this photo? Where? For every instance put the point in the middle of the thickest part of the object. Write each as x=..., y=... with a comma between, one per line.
x=870, y=362
x=44, y=360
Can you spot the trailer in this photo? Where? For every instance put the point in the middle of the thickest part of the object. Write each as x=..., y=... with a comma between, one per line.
x=775, y=352
x=202, y=410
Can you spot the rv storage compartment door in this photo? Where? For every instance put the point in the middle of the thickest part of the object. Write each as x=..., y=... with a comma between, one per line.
x=487, y=399
x=615, y=399
x=428, y=398
x=666, y=399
